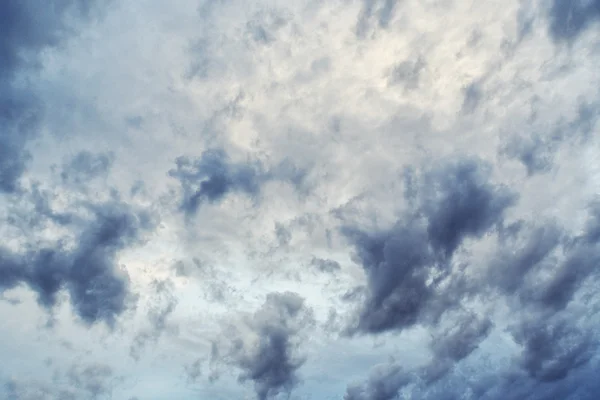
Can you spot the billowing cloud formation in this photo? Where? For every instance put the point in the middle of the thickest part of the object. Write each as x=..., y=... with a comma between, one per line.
x=406, y=265
x=456, y=343
x=210, y=177
x=538, y=267
x=551, y=350
x=213, y=175
x=369, y=200
x=269, y=356
x=97, y=287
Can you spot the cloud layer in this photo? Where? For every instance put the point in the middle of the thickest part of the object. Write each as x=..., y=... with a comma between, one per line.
x=359, y=200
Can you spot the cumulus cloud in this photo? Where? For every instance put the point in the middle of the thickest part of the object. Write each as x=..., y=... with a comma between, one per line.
x=552, y=349
x=404, y=265
x=97, y=286
x=269, y=356
x=389, y=199
x=542, y=268
x=209, y=178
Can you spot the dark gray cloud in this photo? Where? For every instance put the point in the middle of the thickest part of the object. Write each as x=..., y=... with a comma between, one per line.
x=539, y=268
x=569, y=19
x=396, y=265
x=210, y=177
x=523, y=247
x=449, y=346
x=273, y=361
x=455, y=343
x=552, y=348
x=97, y=287
x=557, y=291
x=543, y=265
x=453, y=201
x=459, y=201
x=26, y=28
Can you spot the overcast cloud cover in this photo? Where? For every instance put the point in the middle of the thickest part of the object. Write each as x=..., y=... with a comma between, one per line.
x=353, y=200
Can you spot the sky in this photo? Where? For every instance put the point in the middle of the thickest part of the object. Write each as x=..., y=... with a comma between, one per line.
x=266, y=199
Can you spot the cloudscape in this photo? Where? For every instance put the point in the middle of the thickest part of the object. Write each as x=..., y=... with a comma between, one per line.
x=339, y=199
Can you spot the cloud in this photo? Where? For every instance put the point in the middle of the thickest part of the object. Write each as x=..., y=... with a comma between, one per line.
x=538, y=266
x=212, y=176
x=407, y=73
x=459, y=201
x=97, y=287
x=455, y=343
x=269, y=356
x=535, y=152
x=569, y=19
x=162, y=305
x=472, y=97
x=95, y=379
x=538, y=151
x=553, y=348
x=523, y=248
x=324, y=265
x=80, y=381
x=26, y=29
x=454, y=201
x=417, y=172
x=209, y=178
x=384, y=383
x=543, y=265
x=85, y=166
x=380, y=10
